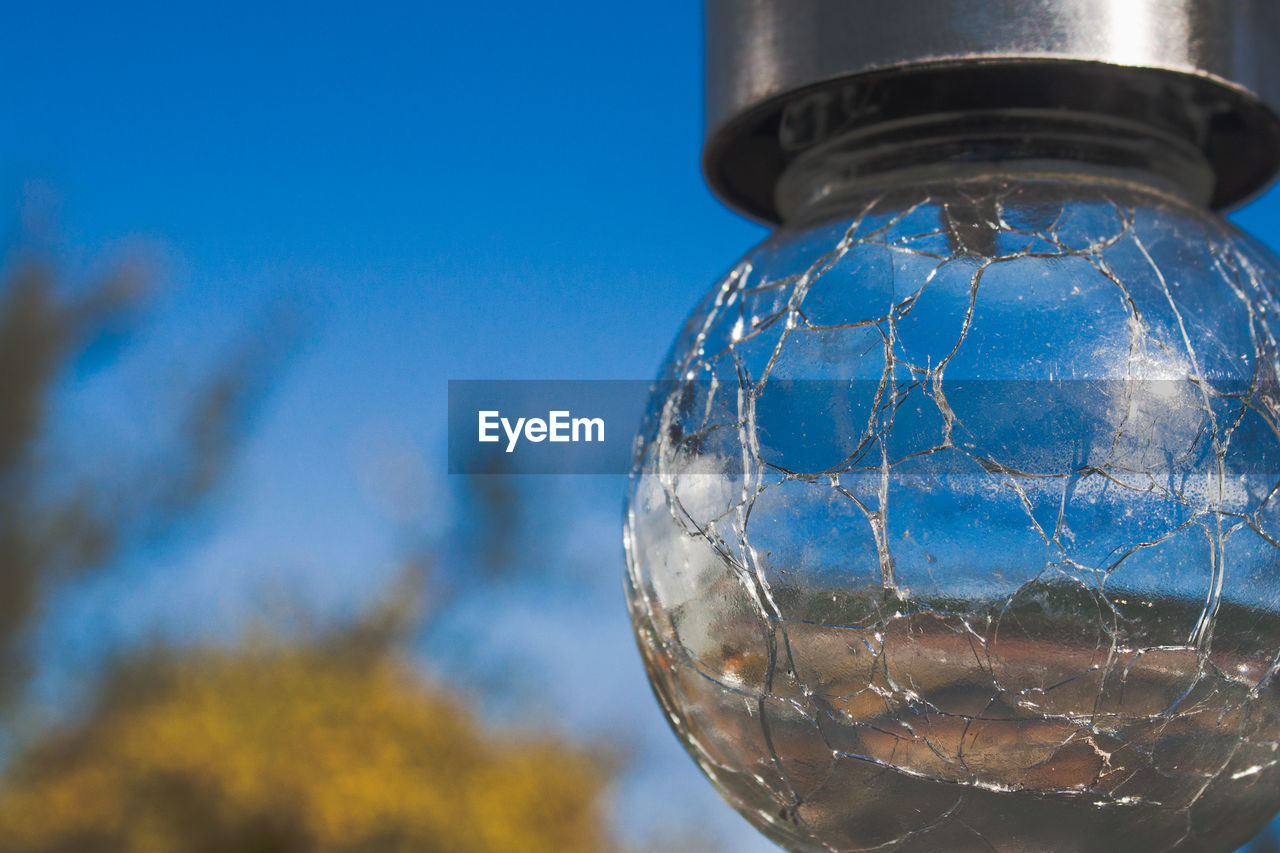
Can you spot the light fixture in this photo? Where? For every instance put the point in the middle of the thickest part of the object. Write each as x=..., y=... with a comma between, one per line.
x=955, y=524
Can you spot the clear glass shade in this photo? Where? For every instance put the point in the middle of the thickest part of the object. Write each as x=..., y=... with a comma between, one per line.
x=954, y=523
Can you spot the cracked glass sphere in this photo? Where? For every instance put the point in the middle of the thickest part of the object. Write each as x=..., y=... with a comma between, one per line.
x=954, y=524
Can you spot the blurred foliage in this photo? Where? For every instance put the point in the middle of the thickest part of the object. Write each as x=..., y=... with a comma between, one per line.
x=271, y=747
x=319, y=743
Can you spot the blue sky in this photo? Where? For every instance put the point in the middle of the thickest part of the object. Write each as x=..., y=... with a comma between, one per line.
x=442, y=191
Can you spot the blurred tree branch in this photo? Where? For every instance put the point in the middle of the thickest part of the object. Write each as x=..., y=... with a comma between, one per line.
x=50, y=530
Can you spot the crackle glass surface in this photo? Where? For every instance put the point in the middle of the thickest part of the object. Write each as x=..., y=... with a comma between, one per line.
x=954, y=525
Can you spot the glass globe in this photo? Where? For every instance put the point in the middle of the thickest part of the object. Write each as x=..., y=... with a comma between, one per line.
x=954, y=522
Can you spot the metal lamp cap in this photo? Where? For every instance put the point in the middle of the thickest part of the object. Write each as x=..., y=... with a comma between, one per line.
x=785, y=75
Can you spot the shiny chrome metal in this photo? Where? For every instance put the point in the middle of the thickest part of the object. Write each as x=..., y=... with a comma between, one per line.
x=1204, y=71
